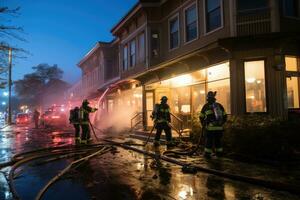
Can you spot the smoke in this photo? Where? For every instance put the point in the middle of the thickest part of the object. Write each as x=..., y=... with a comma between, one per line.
x=118, y=120
x=119, y=111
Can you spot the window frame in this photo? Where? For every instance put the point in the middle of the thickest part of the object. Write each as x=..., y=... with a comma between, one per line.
x=195, y=3
x=139, y=47
x=283, y=11
x=169, y=31
x=123, y=60
x=266, y=85
x=131, y=64
x=205, y=18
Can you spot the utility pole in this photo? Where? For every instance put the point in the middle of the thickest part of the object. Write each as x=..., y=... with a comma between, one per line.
x=9, y=121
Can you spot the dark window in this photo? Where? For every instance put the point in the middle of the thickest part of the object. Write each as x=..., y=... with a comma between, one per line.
x=191, y=23
x=251, y=4
x=291, y=8
x=213, y=15
x=132, y=53
x=174, y=33
x=141, y=48
x=155, y=43
x=125, y=57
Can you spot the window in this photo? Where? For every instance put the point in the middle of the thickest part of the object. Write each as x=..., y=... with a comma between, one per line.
x=141, y=48
x=154, y=43
x=291, y=8
x=132, y=53
x=243, y=5
x=292, y=84
x=213, y=14
x=191, y=29
x=255, y=86
x=174, y=32
x=125, y=57
x=291, y=63
x=292, y=81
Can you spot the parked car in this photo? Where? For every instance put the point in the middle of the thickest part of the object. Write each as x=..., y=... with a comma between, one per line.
x=54, y=116
x=22, y=118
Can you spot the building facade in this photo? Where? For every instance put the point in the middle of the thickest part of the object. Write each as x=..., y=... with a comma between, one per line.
x=247, y=51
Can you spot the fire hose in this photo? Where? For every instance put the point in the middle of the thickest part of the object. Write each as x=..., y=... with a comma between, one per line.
x=23, y=158
x=260, y=182
x=192, y=150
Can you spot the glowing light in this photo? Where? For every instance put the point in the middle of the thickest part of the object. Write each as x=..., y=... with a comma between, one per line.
x=5, y=94
x=251, y=97
x=186, y=108
x=258, y=82
x=182, y=194
x=181, y=80
x=251, y=80
x=195, y=93
x=3, y=103
x=202, y=92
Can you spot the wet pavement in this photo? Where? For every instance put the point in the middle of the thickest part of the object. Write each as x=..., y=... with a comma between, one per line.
x=125, y=174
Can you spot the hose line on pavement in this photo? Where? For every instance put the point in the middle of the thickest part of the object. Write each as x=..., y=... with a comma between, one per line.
x=65, y=170
x=265, y=183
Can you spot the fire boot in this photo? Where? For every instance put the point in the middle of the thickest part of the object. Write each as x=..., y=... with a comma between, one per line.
x=77, y=140
x=156, y=143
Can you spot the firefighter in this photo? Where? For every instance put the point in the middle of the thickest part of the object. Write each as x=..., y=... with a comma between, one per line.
x=212, y=118
x=36, y=117
x=85, y=111
x=74, y=119
x=162, y=118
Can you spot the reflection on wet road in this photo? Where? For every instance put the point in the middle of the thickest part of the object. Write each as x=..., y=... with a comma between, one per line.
x=120, y=175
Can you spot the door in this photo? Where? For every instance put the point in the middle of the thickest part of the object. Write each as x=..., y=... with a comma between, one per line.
x=149, y=106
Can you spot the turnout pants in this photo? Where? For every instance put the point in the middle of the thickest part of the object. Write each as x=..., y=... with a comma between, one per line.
x=213, y=139
x=160, y=127
x=86, y=133
x=77, y=130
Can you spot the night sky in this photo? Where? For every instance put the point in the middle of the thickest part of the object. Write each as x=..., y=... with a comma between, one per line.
x=63, y=31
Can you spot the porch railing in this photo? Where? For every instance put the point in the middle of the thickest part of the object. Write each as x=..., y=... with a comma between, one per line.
x=180, y=121
x=136, y=120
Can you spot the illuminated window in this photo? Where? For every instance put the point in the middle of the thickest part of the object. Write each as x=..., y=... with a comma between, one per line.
x=292, y=84
x=291, y=63
x=191, y=28
x=255, y=86
x=174, y=32
x=222, y=87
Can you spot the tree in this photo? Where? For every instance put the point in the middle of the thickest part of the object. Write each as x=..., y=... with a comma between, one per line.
x=47, y=72
x=30, y=88
x=8, y=33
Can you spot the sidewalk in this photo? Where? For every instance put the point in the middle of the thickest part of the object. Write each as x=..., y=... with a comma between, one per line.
x=285, y=174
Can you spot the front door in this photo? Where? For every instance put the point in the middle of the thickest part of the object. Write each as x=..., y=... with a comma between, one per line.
x=149, y=106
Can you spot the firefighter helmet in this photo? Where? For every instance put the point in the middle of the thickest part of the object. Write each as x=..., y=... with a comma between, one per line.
x=85, y=102
x=211, y=95
x=164, y=98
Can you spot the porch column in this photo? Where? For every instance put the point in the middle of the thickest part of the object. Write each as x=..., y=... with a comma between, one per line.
x=144, y=107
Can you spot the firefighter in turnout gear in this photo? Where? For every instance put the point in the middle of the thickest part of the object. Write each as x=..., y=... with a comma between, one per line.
x=162, y=118
x=85, y=111
x=212, y=118
x=75, y=120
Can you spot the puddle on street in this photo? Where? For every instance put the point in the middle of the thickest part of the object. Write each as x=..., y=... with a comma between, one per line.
x=129, y=175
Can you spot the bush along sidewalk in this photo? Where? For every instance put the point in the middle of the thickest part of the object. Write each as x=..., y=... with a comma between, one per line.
x=263, y=137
